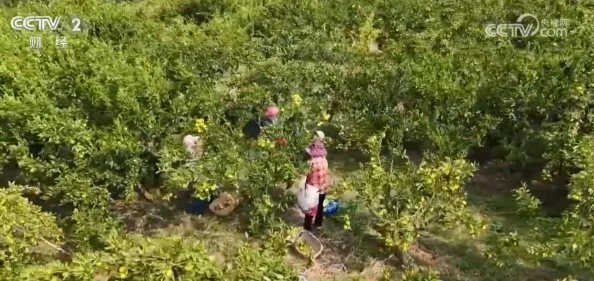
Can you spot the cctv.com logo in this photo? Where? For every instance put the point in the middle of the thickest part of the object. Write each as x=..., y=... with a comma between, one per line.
x=528, y=25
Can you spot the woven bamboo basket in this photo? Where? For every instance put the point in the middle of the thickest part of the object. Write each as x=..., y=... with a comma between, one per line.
x=311, y=241
x=227, y=210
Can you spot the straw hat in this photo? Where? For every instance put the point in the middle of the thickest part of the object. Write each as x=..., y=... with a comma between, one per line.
x=320, y=135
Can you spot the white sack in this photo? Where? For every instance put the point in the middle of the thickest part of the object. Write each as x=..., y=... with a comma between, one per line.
x=307, y=196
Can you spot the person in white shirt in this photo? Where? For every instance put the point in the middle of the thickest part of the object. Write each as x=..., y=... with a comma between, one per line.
x=193, y=145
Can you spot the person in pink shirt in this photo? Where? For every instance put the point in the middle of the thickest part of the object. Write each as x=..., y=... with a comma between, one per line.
x=317, y=177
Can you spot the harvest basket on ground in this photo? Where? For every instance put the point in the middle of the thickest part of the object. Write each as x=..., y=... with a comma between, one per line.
x=307, y=245
x=224, y=205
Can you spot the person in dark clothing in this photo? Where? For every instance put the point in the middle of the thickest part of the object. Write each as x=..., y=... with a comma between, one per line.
x=253, y=128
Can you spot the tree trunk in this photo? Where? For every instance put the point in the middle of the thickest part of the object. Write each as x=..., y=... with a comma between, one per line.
x=404, y=257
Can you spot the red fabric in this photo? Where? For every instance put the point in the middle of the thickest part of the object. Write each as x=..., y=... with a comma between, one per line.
x=312, y=212
x=318, y=173
x=281, y=141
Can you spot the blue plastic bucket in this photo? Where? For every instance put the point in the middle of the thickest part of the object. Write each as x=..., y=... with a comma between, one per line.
x=331, y=208
x=200, y=206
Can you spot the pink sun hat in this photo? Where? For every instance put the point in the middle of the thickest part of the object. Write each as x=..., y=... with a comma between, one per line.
x=316, y=149
x=271, y=111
